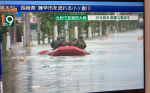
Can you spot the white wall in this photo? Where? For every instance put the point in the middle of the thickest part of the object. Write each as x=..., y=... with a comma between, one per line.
x=33, y=18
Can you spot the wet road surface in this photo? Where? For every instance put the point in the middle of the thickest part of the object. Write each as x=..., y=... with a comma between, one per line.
x=115, y=63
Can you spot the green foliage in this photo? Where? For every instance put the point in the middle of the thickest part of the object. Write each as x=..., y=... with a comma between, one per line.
x=19, y=29
x=47, y=23
x=45, y=27
x=71, y=28
x=81, y=24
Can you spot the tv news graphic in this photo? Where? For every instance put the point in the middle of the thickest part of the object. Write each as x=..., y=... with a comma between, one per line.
x=8, y=20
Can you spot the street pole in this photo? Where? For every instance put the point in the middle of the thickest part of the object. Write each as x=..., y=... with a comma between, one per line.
x=76, y=28
x=10, y=32
x=117, y=23
x=28, y=29
x=55, y=31
x=66, y=35
x=7, y=41
x=109, y=23
x=38, y=23
x=24, y=26
x=100, y=28
x=66, y=31
x=14, y=30
x=89, y=30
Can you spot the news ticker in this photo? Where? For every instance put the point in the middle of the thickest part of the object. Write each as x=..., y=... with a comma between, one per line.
x=70, y=8
x=8, y=20
x=94, y=17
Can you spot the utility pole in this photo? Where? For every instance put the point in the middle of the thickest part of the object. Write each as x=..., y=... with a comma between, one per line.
x=14, y=30
x=100, y=28
x=76, y=29
x=89, y=30
x=8, y=43
x=55, y=33
x=24, y=26
x=109, y=23
x=66, y=31
x=28, y=29
x=117, y=23
x=38, y=23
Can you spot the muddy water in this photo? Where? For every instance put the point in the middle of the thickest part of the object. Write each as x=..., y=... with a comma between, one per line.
x=115, y=63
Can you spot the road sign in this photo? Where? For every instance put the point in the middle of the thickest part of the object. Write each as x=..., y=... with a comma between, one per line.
x=71, y=18
x=18, y=15
x=66, y=25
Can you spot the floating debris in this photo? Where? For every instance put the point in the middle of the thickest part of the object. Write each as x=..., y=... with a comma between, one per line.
x=46, y=66
x=21, y=59
x=44, y=86
x=35, y=86
x=139, y=38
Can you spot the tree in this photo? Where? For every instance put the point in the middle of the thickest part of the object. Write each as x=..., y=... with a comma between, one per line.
x=45, y=27
x=71, y=29
x=81, y=24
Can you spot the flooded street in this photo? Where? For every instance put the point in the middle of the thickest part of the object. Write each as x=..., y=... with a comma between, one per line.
x=116, y=62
